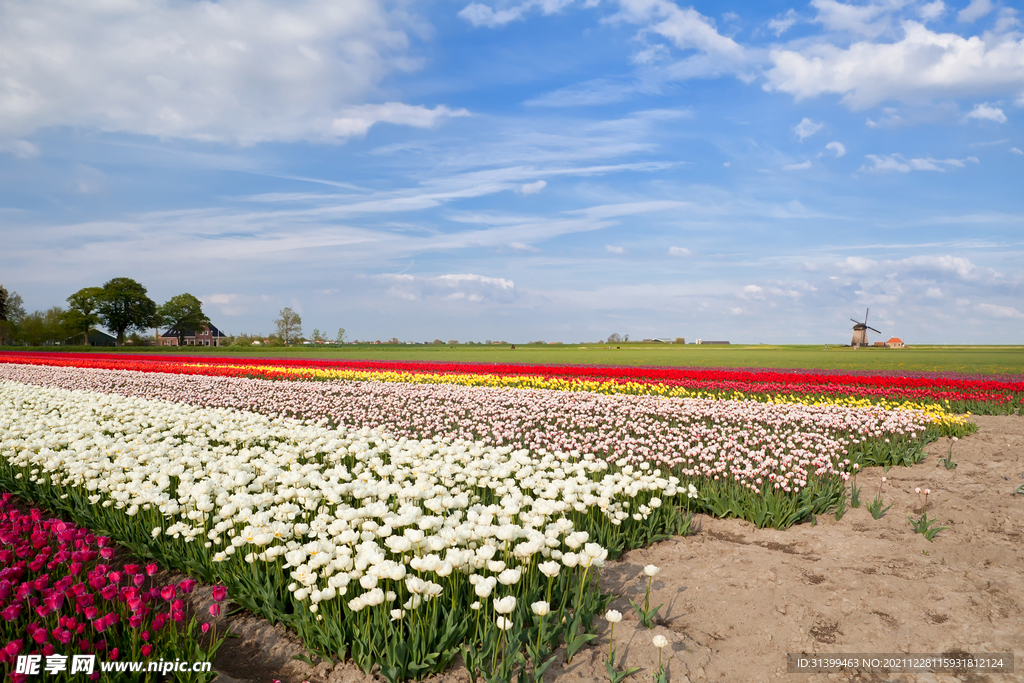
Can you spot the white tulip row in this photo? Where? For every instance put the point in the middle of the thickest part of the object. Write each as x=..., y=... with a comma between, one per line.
x=342, y=507
x=746, y=442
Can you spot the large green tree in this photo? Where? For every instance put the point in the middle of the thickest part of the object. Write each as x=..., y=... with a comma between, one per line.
x=183, y=314
x=289, y=325
x=124, y=306
x=83, y=311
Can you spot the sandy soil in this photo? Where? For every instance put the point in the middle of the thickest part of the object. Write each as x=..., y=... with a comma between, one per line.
x=737, y=599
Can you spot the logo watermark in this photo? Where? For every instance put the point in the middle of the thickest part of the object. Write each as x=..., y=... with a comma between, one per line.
x=86, y=664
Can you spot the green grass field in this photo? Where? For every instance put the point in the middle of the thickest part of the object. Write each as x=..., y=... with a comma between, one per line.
x=969, y=359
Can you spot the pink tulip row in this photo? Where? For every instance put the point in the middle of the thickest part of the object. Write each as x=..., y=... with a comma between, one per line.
x=59, y=595
x=748, y=442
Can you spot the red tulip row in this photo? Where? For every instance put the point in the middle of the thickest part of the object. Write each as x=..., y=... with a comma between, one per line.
x=960, y=395
x=58, y=596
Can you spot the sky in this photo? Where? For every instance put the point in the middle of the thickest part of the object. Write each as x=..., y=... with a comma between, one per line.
x=560, y=170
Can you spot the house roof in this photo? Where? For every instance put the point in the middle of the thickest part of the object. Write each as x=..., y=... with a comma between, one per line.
x=173, y=332
x=894, y=340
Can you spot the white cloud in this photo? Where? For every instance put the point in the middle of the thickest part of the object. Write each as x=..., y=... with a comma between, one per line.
x=752, y=292
x=519, y=246
x=355, y=121
x=896, y=162
x=533, y=188
x=452, y=287
x=974, y=11
x=1016, y=151
x=957, y=265
x=1007, y=20
x=857, y=264
x=614, y=250
x=932, y=11
x=89, y=180
x=687, y=29
x=806, y=128
x=797, y=167
x=838, y=148
x=1000, y=311
x=23, y=149
x=921, y=66
x=783, y=23
x=230, y=305
x=593, y=92
x=243, y=71
x=483, y=15
x=933, y=293
x=990, y=143
x=679, y=251
x=735, y=310
x=858, y=19
x=986, y=112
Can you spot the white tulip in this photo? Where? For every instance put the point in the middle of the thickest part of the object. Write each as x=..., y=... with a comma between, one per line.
x=505, y=605
x=549, y=569
x=510, y=577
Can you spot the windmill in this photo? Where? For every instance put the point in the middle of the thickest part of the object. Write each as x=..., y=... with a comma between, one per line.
x=860, y=331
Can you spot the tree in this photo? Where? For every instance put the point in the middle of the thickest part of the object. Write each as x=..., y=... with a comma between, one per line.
x=3, y=314
x=318, y=336
x=13, y=314
x=614, y=337
x=43, y=327
x=289, y=325
x=183, y=314
x=83, y=311
x=341, y=336
x=124, y=306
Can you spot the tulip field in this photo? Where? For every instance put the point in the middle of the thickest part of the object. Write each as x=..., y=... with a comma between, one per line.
x=401, y=514
x=954, y=392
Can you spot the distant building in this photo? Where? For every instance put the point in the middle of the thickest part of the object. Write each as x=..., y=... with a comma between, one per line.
x=208, y=336
x=98, y=338
x=895, y=343
x=882, y=344
x=705, y=341
x=658, y=340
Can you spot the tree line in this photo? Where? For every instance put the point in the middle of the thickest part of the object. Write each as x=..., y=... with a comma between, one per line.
x=121, y=305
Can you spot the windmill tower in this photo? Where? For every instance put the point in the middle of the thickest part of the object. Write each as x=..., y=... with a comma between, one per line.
x=860, y=331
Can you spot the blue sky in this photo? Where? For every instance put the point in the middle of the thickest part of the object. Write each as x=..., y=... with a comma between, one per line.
x=524, y=169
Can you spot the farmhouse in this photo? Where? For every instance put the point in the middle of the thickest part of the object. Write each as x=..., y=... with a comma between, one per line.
x=99, y=338
x=895, y=343
x=208, y=336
